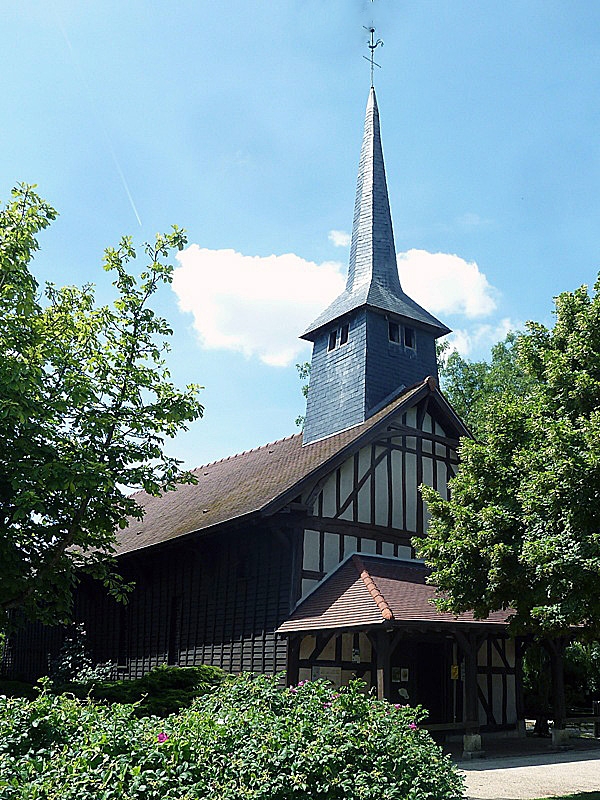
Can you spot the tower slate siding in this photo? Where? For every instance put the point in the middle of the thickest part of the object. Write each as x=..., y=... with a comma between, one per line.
x=337, y=388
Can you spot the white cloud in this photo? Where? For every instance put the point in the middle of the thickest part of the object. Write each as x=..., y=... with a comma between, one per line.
x=258, y=305
x=252, y=304
x=340, y=238
x=446, y=284
x=476, y=342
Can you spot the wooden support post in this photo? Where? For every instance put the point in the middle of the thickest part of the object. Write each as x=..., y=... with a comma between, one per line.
x=520, y=647
x=293, y=654
x=596, y=713
x=469, y=644
x=556, y=649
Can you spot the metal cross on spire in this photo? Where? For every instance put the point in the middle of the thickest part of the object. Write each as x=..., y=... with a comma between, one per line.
x=372, y=45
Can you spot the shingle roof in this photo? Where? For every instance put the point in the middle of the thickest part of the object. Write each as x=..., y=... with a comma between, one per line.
x=372, y=270
x=372, y=590
x=244, y=484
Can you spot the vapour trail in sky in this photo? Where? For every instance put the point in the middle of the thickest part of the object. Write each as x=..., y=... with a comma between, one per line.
x=97, y=115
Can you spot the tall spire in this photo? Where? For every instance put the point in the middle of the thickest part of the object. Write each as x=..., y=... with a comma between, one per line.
x=372, y=271
x=372, y=251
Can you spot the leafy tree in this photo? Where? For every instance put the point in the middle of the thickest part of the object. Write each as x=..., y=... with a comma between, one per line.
x=471, y=385
x=85, y=407
x=522, y=526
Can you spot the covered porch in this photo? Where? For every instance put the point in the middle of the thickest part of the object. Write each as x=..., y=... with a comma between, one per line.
x=373, y=619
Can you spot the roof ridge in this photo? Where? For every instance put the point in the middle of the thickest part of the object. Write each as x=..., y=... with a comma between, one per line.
x=244, y=452
x=381, y=602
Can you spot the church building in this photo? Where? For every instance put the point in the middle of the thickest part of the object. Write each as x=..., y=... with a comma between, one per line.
x=297, y=557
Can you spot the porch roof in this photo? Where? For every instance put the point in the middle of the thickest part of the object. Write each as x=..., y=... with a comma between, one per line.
x=368, y=591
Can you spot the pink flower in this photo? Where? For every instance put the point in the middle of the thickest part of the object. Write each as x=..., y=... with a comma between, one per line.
x=397, y=705
x=326, y=705
x=162, y=737
x=413, y=726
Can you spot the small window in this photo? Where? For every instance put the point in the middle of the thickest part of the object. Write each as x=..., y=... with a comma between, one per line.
x=409, y=338
x=394, y=332
x=332, y=340
x=344, y=333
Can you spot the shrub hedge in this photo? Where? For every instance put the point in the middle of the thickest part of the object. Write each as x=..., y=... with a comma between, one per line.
x=246, y=740
x=162, y=691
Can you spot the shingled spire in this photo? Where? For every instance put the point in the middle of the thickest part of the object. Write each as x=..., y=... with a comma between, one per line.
x=373, y=339
x=372, y=251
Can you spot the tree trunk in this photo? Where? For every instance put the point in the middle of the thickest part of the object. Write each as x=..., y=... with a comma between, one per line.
x=556, y=650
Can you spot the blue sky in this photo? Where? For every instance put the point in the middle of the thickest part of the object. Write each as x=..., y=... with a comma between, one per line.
x=242, y=122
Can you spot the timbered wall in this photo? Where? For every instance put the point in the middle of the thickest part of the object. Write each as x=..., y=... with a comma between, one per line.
x=339, y=658
x=343, y=656
x=371, y=502
x=496, y=678
x=214, y=601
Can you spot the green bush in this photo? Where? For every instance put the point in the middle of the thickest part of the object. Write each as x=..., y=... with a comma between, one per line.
x=162, y=691
x=245, y=740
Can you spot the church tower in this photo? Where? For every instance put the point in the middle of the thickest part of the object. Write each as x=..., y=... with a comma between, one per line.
x=373, y=340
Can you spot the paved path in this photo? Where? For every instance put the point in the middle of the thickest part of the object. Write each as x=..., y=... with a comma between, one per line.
x=533, y=776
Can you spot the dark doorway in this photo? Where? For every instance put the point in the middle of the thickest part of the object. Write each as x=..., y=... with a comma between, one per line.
x=432, y=678
x=420, y=675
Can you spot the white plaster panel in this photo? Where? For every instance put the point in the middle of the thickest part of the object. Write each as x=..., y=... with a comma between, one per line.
x=346, y=481
x=329, y=508
x=368, y=546
x=411, y=492
x=346, y=647
x=328, y=652
x=364, y=502
x=442, y=485
x=397, y=521
x=381, y=493
x=331, y=551
x=350, y=545
x=307, y=645
x=310, y=558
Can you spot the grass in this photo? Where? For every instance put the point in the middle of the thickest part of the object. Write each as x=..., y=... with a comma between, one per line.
x=578, y=796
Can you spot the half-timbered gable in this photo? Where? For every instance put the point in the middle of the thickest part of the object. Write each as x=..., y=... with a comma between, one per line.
x=371, y=502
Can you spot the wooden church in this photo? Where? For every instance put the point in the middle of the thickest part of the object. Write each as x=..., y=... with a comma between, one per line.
x=296, y=557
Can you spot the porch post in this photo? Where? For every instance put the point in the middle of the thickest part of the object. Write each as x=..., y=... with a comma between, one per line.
x=556, y=649
x=520, y=647
x=469, y=645
x=293, y=654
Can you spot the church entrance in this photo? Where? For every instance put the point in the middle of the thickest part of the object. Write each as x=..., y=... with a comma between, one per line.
x=420, y=674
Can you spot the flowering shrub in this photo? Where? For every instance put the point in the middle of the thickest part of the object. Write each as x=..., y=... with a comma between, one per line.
x=246, y=740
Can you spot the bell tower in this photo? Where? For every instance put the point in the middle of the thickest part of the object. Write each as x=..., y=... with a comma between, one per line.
x=373, y=340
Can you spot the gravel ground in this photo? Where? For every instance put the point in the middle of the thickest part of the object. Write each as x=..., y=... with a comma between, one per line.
x=532, y=776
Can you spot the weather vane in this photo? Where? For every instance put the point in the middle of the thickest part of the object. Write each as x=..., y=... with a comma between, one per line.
x=372, y=45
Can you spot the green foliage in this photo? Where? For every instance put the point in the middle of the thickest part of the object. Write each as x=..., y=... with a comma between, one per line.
x=162, y=691
x=247, y=740
x=86, y=404
x=471, y=385
x=521, y=527
x=74, y=662
x=304, y=375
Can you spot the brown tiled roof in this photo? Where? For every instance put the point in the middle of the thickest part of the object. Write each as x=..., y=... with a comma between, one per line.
x=345, y=599
x=246, y=483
